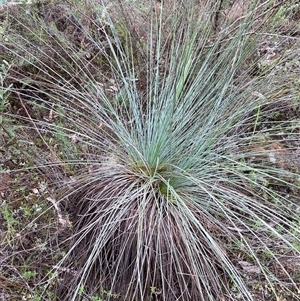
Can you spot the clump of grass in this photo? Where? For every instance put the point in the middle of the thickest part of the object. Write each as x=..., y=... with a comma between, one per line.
x=177, y=184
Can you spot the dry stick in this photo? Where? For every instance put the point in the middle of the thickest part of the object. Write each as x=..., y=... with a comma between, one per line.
x=37, y=130
x=64, y=222
x=231, y=27
x=56, y=158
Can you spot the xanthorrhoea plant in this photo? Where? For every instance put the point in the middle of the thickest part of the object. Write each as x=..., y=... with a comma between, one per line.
x=181, y=182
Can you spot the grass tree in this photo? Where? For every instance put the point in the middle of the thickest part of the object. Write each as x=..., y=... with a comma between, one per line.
x=183, y=169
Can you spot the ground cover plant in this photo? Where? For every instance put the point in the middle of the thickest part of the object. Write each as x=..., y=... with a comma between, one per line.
x=169, y=132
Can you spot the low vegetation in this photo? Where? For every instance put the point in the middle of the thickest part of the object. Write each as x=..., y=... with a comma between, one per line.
x=150, y=150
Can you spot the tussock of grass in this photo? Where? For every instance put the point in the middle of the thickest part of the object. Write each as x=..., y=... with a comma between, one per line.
x=183, y=174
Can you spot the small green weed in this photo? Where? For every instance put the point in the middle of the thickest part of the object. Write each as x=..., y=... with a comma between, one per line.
x=29, y=274
x=10, y=223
